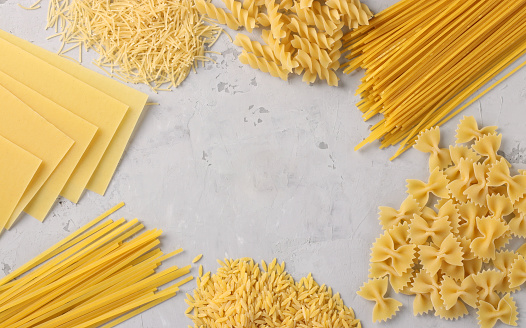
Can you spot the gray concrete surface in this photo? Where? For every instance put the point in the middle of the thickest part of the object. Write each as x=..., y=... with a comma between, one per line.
x=238, y=163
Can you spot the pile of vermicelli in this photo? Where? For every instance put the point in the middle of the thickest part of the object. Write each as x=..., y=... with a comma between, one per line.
x=156, y=42
x=423, y=58
x=240, y=294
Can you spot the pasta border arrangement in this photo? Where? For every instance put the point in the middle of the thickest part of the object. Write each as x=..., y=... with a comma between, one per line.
x=454, y=256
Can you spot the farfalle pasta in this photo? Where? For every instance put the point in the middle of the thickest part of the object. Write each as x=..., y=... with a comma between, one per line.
x=505, y=311
x=499, y=175
x=389, y=217
x=375, y=290
x=446, y=243
x=427, y=142
x=436, y=185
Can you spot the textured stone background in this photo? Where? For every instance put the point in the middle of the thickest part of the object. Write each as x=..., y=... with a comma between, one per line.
x=238, y=163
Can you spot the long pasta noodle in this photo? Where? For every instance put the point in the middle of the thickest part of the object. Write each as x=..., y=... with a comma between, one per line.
x=422, y=60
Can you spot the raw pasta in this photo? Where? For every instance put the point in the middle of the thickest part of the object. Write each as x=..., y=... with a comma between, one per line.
x=243, y=294
x=506, y=311
x=453, y=258
x=375, y=290
x=424, y=58
x=156, y=42
x=305, y=35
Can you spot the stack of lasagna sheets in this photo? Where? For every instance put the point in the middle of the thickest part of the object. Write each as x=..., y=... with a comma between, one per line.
x=63, y=129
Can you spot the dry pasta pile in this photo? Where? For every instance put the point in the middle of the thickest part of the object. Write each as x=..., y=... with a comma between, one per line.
x=300, y=36
x=240, y=294
x=154, y=42
x=101, y=275
x=453, y=257
x=423, y=58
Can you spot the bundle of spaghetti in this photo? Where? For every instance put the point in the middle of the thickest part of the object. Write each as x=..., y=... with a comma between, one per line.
x=423, y=59
x=154, y=42
x=103, y=274
x=303, y=37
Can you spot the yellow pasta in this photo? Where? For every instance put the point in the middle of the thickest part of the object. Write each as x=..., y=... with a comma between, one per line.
x=244, y=294
x=499, y=175
x=389, y=217
x=504, y=262
x=458, y=260
x=423, y=59
x=156, y=42
x=468, y=130
x=436, y=185
x=305, y=35
x=437, y=230
x=401, y=258
x=505, y=311
x=375, y=290
x=427, y=142
x=491, y=229
x=90, y=278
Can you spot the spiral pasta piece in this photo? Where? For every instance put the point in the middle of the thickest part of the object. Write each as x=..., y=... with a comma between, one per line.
x=257, y=48
x=275, y=19
x=206, y=8
x=263, y=64
x=311, y=34
x=242, y=15
x=313, y=49
x=284, y=56
x=353, y=12
x=314, y=68
x=309, y=16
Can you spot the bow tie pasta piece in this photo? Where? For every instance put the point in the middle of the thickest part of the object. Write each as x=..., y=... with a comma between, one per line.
x=469, y=212
x=375, y=290
x=487, y=146
x=468, y=130
x=449, y=209
x=504, y=262
x=427, y=290
x=420, y=230
x=457, y=153
x=390, y=217
x=449, y=251
x=478, y=191
x=517, y=274
x=491, y=229
x=506, y=311
x=399, y=234
x=499, y=174
x=518, y=224
x=488, y=281
x=401, y=258
x=427, y=142
x=499, y=205
x=436, y=184
x=398, y=282
x=467, y=176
